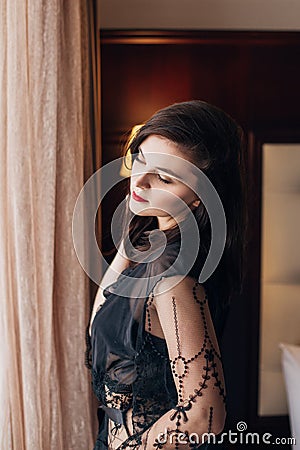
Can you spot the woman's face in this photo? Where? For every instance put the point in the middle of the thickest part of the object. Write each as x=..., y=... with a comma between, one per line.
x=161, y=191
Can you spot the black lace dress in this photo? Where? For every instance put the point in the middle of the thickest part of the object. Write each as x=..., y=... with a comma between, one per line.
x=172, y=383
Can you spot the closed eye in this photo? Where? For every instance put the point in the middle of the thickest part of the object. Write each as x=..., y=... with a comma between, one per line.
x=137, y=158
x=162, y=179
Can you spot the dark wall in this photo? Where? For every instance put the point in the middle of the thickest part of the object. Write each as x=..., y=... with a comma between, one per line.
x=254, y=76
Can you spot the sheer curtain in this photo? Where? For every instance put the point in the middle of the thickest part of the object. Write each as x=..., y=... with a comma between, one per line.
x=45, y=392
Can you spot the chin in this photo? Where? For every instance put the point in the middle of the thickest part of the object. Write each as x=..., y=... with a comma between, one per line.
x=139, y=211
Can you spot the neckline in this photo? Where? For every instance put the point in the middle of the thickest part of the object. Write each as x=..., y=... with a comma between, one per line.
x=155, y=337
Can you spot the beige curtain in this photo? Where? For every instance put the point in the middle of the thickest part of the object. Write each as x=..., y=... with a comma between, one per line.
x=45, y=392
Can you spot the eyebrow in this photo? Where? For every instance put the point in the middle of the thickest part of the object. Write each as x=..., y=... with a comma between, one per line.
x=163, y=169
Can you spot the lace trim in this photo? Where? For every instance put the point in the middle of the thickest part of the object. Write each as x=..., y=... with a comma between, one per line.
x=110, y=393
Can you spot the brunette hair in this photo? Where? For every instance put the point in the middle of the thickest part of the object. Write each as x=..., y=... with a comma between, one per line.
x=214, y=142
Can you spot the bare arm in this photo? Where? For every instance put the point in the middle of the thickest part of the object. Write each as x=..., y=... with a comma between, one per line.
x=119, y=263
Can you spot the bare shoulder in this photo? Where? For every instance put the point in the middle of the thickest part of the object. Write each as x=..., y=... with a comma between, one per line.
x=180, y=286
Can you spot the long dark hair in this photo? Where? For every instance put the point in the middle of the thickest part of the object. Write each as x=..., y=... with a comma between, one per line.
x=214, y=142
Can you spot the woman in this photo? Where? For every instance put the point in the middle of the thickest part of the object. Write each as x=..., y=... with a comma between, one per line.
x=154, y=332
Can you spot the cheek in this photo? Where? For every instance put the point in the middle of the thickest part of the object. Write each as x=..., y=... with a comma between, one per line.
x=186, y=194
x=162, y=194
x=173, y=201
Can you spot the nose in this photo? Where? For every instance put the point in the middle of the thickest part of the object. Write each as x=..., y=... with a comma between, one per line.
x=141, y=180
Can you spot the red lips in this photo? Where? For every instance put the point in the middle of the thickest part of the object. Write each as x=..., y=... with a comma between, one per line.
x=138, y=198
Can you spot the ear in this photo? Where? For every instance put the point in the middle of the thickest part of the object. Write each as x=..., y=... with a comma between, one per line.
x=196, y=203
